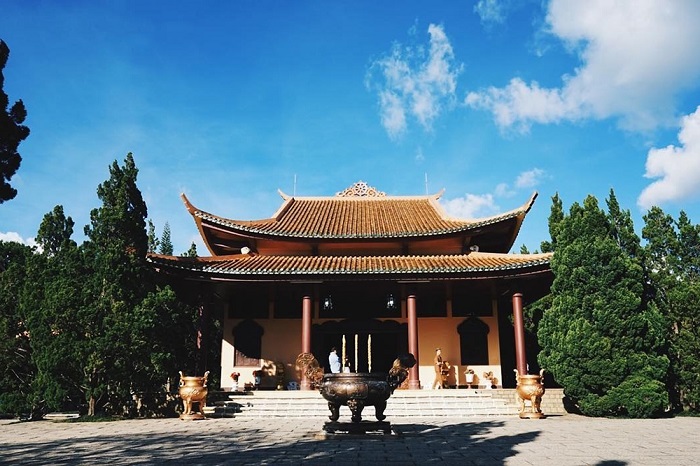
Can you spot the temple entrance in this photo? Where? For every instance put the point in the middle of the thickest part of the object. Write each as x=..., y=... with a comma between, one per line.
x=368, y=345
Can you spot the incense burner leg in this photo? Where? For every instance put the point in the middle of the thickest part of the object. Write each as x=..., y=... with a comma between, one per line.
x=356, y=407
x=536, y=401
x=380, y=407
x=335, y=411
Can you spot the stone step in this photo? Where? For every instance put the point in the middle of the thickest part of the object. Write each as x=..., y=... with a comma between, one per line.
x=404, y=403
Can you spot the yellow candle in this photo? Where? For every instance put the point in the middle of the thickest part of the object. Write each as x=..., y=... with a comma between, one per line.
x=344, y=357
x=356, y=344
x=369, y=353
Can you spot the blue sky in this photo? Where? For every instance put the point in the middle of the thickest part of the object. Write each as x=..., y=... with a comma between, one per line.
x=230, y=101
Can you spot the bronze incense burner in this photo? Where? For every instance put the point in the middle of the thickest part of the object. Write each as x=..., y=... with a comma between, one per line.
x=356, y=390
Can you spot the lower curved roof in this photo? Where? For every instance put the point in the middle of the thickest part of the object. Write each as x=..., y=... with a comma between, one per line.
x=473, y=265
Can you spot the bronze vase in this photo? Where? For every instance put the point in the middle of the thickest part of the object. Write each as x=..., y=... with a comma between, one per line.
x=193, y=390
x=530, y=387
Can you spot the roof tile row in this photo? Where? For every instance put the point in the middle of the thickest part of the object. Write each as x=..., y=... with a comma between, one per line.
x=365, y=265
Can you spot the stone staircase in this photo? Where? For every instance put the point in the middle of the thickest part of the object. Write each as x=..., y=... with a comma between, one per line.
x=403, y=403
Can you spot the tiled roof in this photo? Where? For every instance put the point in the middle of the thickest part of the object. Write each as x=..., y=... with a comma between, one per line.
x=474, y=263
x=357, y=218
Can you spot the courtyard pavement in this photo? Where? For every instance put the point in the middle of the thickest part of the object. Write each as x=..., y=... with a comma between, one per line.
x=557, y=440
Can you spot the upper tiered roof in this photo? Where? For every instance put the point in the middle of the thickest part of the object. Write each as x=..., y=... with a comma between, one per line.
x=359, y=215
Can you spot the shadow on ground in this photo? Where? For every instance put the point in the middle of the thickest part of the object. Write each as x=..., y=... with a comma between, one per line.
x=231, y=442
x=418, y=443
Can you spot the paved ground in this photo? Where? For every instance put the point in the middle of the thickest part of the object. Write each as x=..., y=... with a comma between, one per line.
x=557, y=440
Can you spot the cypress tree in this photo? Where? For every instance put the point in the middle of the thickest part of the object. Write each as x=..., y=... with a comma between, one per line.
x=601, y=339
x=673, y=256
x=117, y=246
x=12, y=132
x=16, y=365
x=54, y=300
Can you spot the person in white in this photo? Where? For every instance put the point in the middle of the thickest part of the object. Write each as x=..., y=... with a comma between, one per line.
x=334, y=361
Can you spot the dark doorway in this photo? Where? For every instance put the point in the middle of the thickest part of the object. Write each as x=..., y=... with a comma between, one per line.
x=385, y=340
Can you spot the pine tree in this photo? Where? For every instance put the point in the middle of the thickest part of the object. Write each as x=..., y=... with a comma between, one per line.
x=12, y=132
x=601, y=340
x=166, y=245
x=152, y=238
x=192, y=251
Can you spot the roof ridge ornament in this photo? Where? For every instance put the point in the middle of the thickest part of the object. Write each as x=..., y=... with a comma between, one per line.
x=360, y=189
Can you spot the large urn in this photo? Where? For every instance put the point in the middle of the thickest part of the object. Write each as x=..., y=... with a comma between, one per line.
x=193, y=391
x=530, y=387
x=357, y=390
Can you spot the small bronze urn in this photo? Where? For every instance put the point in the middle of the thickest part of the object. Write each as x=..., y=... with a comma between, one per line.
x=193, y=390
x=530, y=387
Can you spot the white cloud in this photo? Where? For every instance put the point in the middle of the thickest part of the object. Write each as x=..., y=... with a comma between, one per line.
x=393, y=115
x=636, y=56
x=484, y=205
x=413, y=84
x=14, y=237
x=503, y=190
x=530, y=178
x=676, y=167
x=419, y=157
x=471, y=206
x=490, y=11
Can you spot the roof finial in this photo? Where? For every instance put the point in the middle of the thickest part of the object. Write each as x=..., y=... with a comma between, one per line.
x=360, y=189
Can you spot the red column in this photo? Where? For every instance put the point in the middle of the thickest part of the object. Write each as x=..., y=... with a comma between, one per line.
x=519, y=327
x=202, y=338
x=413, y=377
x=305, y=335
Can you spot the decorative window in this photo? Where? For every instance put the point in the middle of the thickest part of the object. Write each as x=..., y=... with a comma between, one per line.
x=247, y=343
x=474, y=341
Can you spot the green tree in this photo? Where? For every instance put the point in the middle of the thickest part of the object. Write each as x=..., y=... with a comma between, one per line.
x=601, y=339
x=533, y=312
x=192, y=251
x=16, y=365
x=90, y=326
x=54, y=300
x=556, y=216
x=166, y=245
x=139, y=333
x=152, y=238
x=117, y=351
x=673, y=255
x=12, y=132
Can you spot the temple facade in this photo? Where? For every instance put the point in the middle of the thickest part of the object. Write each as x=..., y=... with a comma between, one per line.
x=370, y=274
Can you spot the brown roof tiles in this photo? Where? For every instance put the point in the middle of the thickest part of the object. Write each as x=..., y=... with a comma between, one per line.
x=245, y=265
x=357, y=218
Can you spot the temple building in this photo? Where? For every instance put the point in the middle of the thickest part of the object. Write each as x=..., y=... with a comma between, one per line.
x=370, y=274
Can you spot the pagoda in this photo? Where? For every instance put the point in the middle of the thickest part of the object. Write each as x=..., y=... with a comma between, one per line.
x=370, y=274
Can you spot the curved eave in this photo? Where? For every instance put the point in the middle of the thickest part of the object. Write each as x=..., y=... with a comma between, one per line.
x=255, y=267
x=200, y=219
